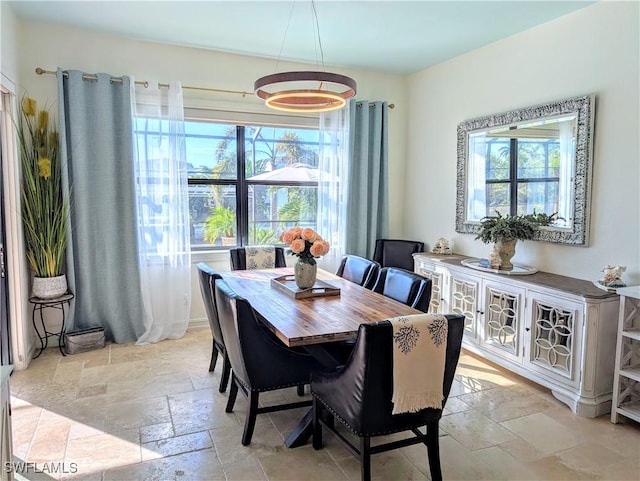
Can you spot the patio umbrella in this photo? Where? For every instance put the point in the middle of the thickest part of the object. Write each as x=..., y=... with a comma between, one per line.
x=296, y=173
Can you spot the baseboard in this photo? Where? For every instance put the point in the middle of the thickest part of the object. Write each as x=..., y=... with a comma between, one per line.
x=198, y=323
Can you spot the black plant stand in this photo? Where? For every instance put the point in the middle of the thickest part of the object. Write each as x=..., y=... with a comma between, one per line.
x=39, y=305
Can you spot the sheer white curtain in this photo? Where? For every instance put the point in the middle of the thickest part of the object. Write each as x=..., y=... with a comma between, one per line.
x=566, y=173
x=476, y=177
x=333, y=166
x=163, y=213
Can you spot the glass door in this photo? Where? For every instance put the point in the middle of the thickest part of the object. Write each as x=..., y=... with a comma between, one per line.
x=5, y=344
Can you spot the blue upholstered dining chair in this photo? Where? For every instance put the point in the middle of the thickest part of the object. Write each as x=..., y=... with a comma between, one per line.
x=404, y=286
x=401, y=285
x=359, y=270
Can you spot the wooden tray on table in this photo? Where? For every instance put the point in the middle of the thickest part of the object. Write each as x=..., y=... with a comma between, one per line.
x=287, y=284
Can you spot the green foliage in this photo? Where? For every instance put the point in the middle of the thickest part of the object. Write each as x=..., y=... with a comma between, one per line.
x=221, y=223
x=541, y=218
x=536, y=159
x=523, y=227
x=262, y=236
x=267, y=149
x=302, y=205
x=289, y=148
x=43, y=206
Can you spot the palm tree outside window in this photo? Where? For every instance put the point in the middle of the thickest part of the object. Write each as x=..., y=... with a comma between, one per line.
x=247, y=183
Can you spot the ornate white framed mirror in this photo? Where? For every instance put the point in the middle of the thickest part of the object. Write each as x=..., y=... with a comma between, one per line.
x=533, y=159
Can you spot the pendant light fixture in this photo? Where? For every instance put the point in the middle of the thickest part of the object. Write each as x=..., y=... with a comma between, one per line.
x=306, y=91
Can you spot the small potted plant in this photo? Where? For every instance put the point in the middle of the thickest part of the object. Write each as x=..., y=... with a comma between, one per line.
x=44, y=207
x=504, y=230
x=221, y=223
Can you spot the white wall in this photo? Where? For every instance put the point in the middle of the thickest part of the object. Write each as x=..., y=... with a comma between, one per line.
x=50, y=46
x=8, y=42
x=22, y=342
x=594, y=50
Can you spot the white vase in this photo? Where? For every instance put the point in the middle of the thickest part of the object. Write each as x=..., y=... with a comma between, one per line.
x=503, y=251
x=49, y=287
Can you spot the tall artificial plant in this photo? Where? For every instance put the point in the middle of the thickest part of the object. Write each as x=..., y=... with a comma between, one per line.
x=44, y=207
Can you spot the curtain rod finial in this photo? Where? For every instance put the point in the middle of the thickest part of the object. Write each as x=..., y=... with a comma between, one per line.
x=39, y=71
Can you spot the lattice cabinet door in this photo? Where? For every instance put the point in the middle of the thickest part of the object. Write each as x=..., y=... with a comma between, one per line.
x=502, y=318
x=555, y=337
x=464, y=300
x=438, y=304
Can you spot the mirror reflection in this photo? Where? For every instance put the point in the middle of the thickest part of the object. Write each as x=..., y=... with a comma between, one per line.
x=530, y=160
x=523, y=169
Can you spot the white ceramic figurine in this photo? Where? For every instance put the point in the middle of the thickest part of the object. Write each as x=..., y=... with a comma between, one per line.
x=441, y=246
x=613, y=276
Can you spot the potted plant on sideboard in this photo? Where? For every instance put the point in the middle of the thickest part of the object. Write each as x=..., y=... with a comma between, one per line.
x=504, y=230
x=44, y=207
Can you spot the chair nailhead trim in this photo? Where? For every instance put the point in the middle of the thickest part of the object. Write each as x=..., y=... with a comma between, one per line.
x=357, y=433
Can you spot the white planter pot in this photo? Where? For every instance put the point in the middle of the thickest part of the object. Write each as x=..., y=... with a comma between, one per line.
x=49, y=287
x=501, y=254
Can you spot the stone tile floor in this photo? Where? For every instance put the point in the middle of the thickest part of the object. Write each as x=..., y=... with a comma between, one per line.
x=153, y=412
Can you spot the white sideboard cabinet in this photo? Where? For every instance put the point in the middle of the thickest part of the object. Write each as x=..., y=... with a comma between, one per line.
x=626, y=385
x=428, y=265
x=557, y=331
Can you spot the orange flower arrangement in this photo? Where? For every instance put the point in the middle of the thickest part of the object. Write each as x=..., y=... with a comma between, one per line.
x=304, y=243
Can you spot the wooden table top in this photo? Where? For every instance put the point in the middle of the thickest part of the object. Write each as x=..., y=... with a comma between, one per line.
x=302, y=322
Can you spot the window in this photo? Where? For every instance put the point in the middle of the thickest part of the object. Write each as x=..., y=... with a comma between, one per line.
x=522, y=175
x=249, y=182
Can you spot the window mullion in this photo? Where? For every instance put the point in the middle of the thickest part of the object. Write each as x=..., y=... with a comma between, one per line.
x=513, y=175
x=242, y=192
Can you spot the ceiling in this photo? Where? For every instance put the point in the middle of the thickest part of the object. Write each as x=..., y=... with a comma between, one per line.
x=397, y=37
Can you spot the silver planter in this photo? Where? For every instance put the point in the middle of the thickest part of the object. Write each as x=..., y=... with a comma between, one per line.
x=49, y=287
x=305, y=273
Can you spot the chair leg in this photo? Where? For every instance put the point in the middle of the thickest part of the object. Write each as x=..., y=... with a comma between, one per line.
x=327, y=417
x=365, y=458
x=214, y=356
x=300, y=389
x=250, y=421
x=433, y=450
x=233, y=392
x=226, y=371
x=317, y=426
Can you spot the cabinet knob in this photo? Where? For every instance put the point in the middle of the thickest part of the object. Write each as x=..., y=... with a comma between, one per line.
x=527, y=329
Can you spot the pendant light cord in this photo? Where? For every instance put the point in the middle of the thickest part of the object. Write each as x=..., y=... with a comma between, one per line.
x=284, y=38
x=315, y=16
x=322, y=92
x=317, y=30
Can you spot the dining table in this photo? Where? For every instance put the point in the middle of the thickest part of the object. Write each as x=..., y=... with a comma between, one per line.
x=311, y=323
